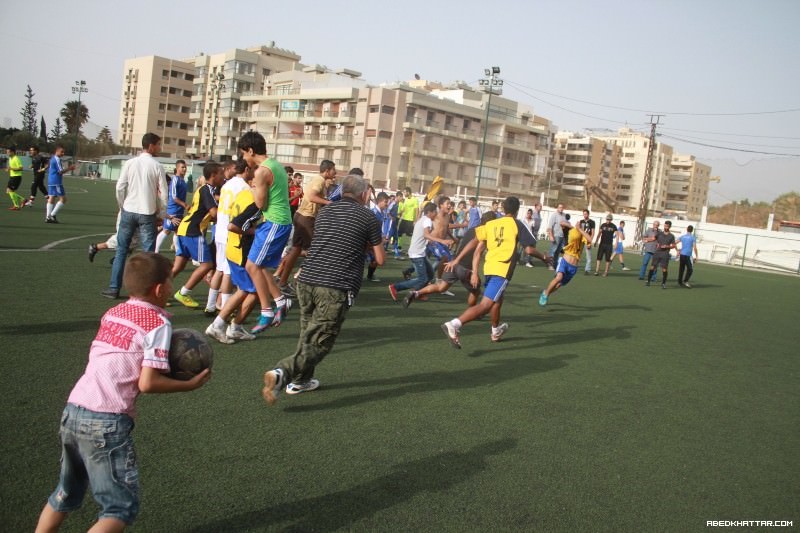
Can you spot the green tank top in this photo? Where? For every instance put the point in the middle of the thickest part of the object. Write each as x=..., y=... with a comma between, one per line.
x=277, y=211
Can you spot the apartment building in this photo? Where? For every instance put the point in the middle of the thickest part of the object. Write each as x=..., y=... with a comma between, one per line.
x=583, y=171
x=403, y=134
x=687, y=191
x=194, y=103
x=156, y=97
x=216, y=105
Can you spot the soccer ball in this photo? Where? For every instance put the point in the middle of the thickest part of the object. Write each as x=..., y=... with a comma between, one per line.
x=189, y=354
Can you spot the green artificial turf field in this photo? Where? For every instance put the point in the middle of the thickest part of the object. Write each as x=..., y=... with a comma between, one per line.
x=615, y=408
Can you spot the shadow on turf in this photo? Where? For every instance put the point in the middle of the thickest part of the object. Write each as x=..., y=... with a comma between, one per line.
x=490, y=374
x=71, y=326
x=346, y=507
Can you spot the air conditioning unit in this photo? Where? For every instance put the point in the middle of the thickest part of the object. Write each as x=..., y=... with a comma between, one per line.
x=339, y=126
x=308, y=127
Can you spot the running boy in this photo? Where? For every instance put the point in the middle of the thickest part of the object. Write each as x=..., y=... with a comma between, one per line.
x=128, y=356
x=499, y=237
x=568, y=264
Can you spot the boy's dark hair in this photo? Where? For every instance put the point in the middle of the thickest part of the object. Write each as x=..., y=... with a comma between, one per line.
x=326, y=165
x=149, y=139
x=253, y=140
x=429, y=207
x=145, y=270
x=586, y=211
x=289, y=170
x=487, y=217
x=511, y=205
x=407, y=190
x=668, y=223
x=441, y=200
x=179, y=161
x=211, y=168
x=690, y=228
x=356, y=171
x=398, y=193
x=58, y=146
x=473, y=199
x=382, y=196
x=230, y=163
x=34, y=148
x=241, y=166
x=297, y=175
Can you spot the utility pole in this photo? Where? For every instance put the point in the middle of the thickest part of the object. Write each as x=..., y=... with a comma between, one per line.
x=490, y=84
x=648, y=170
x=80, y=87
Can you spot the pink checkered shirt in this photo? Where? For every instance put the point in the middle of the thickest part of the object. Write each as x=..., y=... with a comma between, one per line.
x=132, y=335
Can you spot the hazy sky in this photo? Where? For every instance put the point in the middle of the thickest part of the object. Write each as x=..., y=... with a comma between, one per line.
x=723, y=72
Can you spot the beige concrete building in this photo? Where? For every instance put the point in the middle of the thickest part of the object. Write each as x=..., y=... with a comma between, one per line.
x=583, y=171
x=402, y=134
x=687, y=191
x=156, y=97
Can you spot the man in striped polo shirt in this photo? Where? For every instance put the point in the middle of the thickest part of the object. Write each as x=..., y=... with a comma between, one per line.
x=328, y=285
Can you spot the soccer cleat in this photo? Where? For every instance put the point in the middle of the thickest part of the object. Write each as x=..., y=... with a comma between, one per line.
x=110, y=293
x=452, y=335
x=53, y=219
x=237, y=332
x=210, y=312
x=297, y=388
x=218, y=334
x=597, y=273
x=448, y=293
x=409, y=298
x=92, y=252
x=528, y=265
x=273, y=381
x=280, y=314
x=393, y=292
x=262, y=324
x=625, y=268
x=543, y=299
x=687, y=285
x=501, y=330
x=28, y=203
x=186, y=300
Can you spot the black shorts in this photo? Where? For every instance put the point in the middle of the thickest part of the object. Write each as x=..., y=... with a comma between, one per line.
x=660, y=258
x=406, y=227
x=463, y=275
x=604, y=250
x=303, y=231
x=14, y=183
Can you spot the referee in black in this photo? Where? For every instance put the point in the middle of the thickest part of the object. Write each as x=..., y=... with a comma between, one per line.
x=328, y=284
x=39, y=164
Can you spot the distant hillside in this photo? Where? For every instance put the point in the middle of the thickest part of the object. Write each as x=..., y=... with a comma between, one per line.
x=787, y=207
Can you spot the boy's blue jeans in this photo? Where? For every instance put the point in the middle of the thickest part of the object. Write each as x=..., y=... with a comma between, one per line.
x=423, y=273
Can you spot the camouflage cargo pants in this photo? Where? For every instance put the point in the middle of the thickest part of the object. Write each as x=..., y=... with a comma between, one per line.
x=322, y=312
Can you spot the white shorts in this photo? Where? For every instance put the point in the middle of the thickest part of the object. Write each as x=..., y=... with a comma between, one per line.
x=222, y=263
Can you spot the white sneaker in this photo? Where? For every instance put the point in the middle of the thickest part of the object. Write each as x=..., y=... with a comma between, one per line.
x=501, y=330
x=625, y=268
x=448, y=293
x=452, y=335
x=238, y=333
x=297, y=388
x=218, y=334
x=273, y=381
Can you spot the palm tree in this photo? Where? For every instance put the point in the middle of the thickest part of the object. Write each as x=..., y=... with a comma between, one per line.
x=74, y=119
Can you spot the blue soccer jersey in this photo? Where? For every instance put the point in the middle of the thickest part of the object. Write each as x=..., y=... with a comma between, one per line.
x=384, y=220
x=55, y=172
x=177, y=189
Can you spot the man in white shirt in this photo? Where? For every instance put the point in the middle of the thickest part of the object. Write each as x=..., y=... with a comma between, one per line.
x=555, y=233
x=142, y=198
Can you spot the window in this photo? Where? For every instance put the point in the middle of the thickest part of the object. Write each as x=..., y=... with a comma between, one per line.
x=389, y=110
x=160, y=123
x=371, y=133
x=188, y=77
x=162, y=107
x=382, y=159
x=181, y=142
x=169, y=123
x=174, y=74
x=184, y=109
x=165, y=74
x=367, y=158
x=385, y=134
x=187, y=93
x=374, y=108
x=163, y=91
x=174, y=90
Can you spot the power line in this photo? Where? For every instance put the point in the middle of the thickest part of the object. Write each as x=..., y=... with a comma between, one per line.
x=727, y=147
x=735, y=134
x=648, y=111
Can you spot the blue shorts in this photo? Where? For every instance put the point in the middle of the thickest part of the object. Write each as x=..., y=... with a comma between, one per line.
x=268, y=244
x=240, y=278
x=619, y=249
x=494, y=287
x=440, y=251
x=195, y=247
x=168, y=225
x=567, y=270
x=97, y=453
x=56, y=190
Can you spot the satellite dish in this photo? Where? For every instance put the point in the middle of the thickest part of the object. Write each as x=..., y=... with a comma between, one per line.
x=416, y=76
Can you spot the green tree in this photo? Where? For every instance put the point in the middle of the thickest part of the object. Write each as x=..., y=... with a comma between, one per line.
x=75, y=115
x=57, y=132
x=29, y=112
x=104, y=137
